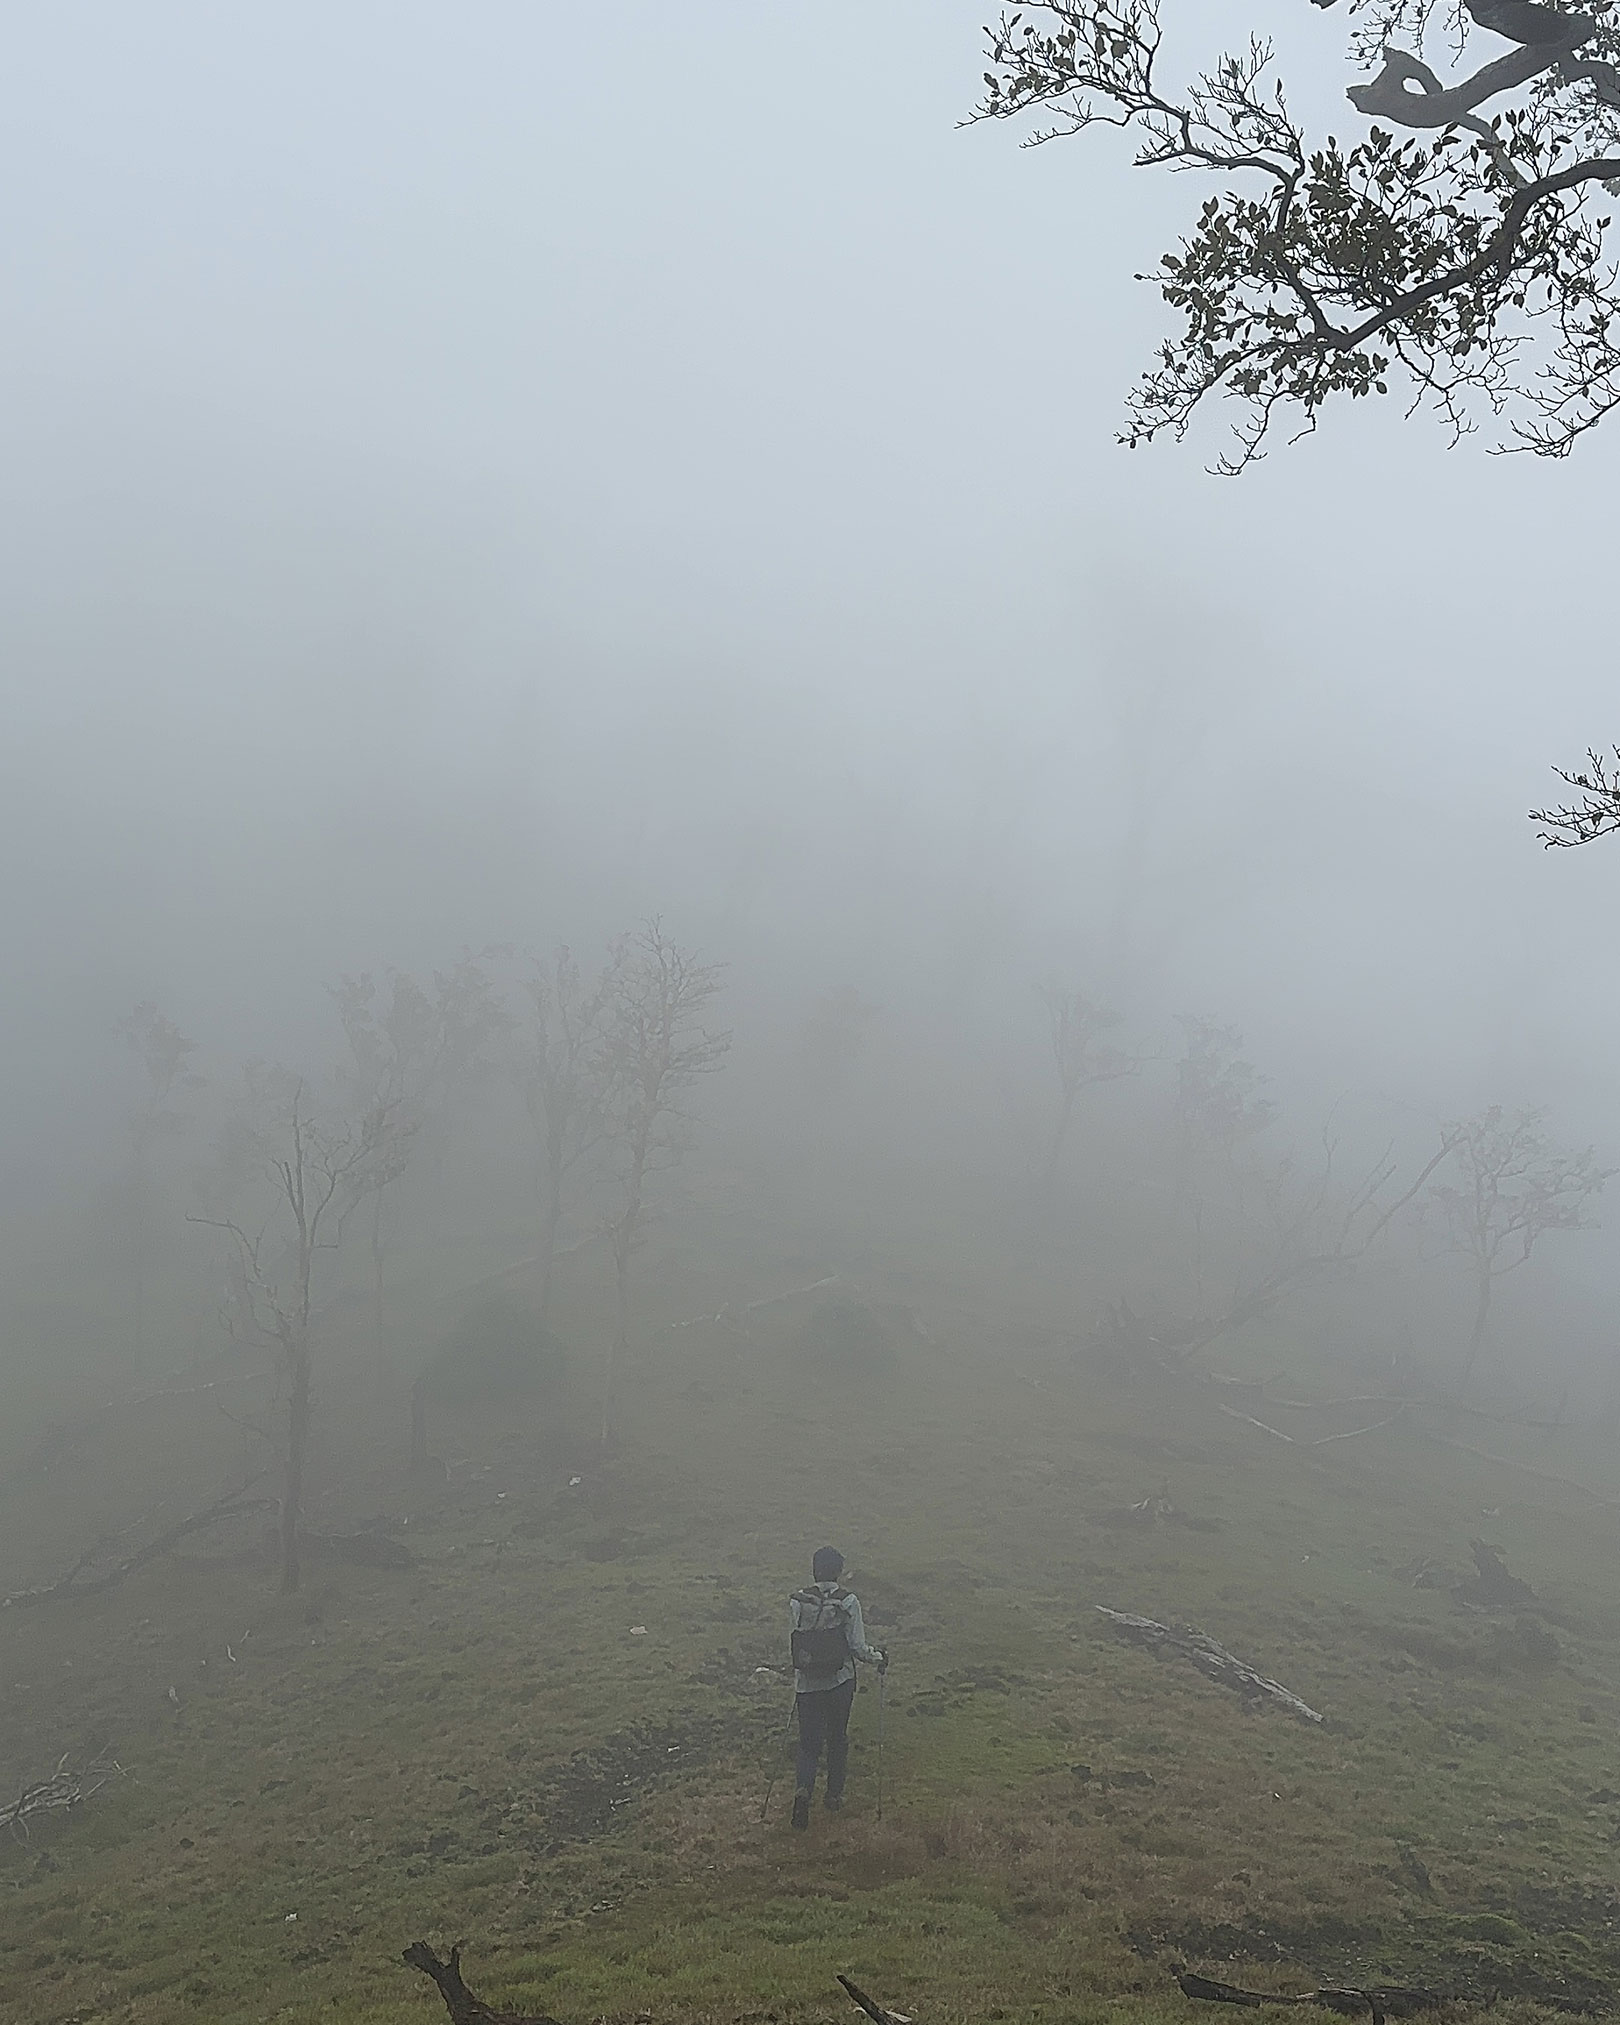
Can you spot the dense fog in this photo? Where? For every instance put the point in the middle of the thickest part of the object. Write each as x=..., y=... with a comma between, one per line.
x=731, y=1061
x=484, y=481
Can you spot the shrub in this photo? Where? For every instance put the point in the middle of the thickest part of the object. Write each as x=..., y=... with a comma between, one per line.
x=496, y=1351
x=845, y=1339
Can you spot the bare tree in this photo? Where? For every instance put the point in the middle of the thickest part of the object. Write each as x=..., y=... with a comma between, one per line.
x=1076, y=1026
x=1313, y=1224
x=304, y=1167
x=410, y=1046
x=1466, y=261
x=1318, y=1222
x=165, y=1055
x=1597, y=811
x=1218, y=1107
x=563, y=1069
x=656, y=1046
x=1218, y=1101
x=1514, y=1184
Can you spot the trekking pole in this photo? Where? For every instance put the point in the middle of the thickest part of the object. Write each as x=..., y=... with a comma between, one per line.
x=776, y=1760
x=882, y=1675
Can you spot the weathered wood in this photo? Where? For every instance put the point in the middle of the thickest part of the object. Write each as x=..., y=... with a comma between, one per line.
x=1350, y=1433
x=1264, y=1426
x=1212, y=1660
x=1379, y=2003
x=1209, y=1992
x=870, y=2005
x=59, y=1793
x=463, y=2006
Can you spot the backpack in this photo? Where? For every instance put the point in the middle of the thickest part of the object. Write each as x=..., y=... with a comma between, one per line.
x=821, y=1644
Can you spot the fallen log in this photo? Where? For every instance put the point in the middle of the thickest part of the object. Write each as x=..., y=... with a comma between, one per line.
x=1212, y=1660
x=870, y=2005
x=463, y=2006
x=68, y=1586
x=1380, y=2004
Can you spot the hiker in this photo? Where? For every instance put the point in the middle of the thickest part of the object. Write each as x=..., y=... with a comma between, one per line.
x=828, y=1637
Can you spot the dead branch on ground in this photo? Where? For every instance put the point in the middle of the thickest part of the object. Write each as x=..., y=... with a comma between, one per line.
x=1380, y=2003
x=1316, y=1441
x=727, y=1313
x=1350, y=1433
x=62, y=1791
x=463, y=2006
x=1265, y=1427
x=871, y=2007
x=69, y=1585
x=1212, y=1660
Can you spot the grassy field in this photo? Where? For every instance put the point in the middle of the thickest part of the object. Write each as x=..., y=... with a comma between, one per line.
x=549, y=1735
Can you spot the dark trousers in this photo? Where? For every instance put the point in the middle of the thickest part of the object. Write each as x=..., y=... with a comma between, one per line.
x=824, y=1720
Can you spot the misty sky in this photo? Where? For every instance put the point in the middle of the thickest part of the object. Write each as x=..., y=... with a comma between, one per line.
x=491, y=471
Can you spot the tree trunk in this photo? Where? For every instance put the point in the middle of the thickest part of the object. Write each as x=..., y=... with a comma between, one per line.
x=1482, y=1309
x=140, y=1294
x=548, y=1245
x=292, y=1502
x=419, y=1447
x=621, y=1333
x=139, y=1207
x=1060, y=1138
x=624, y=1238
x=377, y=1339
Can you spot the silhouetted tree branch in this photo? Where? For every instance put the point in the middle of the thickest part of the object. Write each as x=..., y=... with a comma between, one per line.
x=1597, y=812
x=1469, y=267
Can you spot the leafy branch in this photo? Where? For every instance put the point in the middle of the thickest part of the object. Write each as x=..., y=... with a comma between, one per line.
x=1468, y=268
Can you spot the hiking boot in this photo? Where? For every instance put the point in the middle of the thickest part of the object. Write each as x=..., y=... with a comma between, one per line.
x=833, y=1802
x=801, y=1808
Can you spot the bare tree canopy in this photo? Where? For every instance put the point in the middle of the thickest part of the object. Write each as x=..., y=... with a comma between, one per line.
x=656, y=1044
x=1596, y=811
x=1462, y=261
x=1512, y=1186
x=302, y=1165
x=1082, y=1057
x=411, y=1048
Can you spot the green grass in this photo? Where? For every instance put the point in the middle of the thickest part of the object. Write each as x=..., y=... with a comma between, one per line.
x=481, y=1748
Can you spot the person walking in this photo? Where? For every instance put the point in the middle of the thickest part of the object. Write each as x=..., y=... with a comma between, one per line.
x=827, y=1638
